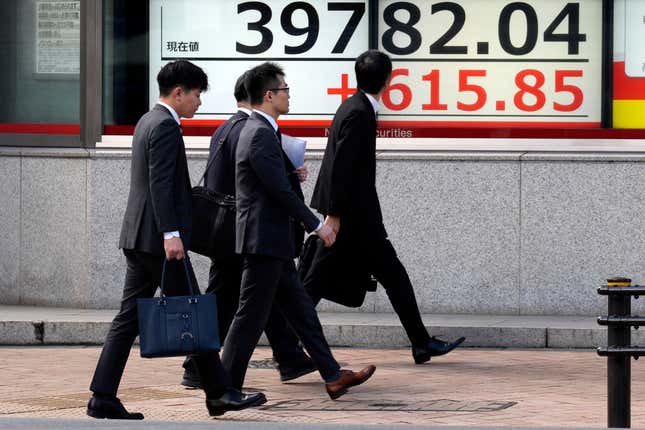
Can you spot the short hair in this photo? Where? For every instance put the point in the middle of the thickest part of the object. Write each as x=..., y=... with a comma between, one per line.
x=261, y=79
x=373, y=68
x=181, y=73
x=239, y=92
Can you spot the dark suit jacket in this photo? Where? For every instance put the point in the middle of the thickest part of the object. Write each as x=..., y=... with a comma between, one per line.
x=346, y=187
x=221, y=173
x=266, y=202
x=346, y=184
x=298, y=228
x=160, y=191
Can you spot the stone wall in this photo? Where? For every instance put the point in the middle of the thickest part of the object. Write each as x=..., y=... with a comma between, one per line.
x=480, y=233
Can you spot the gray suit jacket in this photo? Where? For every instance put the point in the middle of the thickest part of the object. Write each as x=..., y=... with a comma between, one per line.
x=160, y=191
x=266, y=202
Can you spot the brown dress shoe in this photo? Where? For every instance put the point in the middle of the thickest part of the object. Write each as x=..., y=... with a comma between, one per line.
x=347, y=379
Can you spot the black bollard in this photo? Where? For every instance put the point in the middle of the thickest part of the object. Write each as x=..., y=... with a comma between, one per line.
x=619, y=367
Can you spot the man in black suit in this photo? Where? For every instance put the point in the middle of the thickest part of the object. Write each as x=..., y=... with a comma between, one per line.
x=345, y=193
x=226, y=271
x=267, y=209
x=157, y=227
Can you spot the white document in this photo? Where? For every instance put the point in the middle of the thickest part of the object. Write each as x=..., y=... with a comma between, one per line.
x=295, y=149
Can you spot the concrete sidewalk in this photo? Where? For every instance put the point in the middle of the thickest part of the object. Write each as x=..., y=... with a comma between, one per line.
x=44, y=385
x=59, y=424
x=24, y=325
x=56, y=424
x=469, y=387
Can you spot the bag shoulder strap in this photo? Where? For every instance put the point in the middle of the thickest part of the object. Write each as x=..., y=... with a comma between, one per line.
x=220, y=145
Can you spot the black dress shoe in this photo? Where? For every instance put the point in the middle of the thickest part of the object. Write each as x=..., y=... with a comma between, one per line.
x=233, y=400
x=295, y=369
x=191, y=380
x=191, y=377
x=110, y=408
x=434, y=348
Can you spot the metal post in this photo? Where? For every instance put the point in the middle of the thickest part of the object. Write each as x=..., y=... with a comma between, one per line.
x=619, y=367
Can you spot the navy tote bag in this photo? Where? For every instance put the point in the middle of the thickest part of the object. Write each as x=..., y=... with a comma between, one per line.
x=171, y=326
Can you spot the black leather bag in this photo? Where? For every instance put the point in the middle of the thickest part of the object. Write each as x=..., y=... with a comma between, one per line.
x=213, y=216
x=333, y=273
x=213, y=223
x=171, y=326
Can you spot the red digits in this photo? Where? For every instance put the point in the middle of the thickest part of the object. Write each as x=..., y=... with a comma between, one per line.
x=526, y=88
x=561, y=87
x=406, y=92
x=530, y=96
x=479, y=91
x=433, y=78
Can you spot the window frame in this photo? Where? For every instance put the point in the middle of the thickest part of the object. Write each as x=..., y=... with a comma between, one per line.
x=90, y=81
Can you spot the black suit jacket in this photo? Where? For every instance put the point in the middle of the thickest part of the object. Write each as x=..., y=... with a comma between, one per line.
x=346, y=184
x=267, y=205
x=346, y=187
x=160, y=191
x=221, y=173
x=297, y=227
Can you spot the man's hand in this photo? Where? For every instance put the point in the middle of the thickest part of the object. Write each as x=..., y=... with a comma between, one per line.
x=327, y=235
x=333, y=222
x=302, y=173
x=174, y=248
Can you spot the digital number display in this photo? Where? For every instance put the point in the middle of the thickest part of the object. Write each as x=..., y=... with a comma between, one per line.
x=493, y=62
x=477, y=63
x=309, y=28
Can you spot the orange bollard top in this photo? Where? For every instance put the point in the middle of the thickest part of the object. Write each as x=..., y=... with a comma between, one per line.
x=618, y=281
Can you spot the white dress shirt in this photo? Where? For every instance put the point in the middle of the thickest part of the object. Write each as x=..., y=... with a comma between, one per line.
x=373, y=101
x=245, y=110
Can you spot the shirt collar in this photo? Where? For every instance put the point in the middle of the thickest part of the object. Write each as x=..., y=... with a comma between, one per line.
x=373, y=101
x=245, y=110
x=269, y=118
x=172, y=111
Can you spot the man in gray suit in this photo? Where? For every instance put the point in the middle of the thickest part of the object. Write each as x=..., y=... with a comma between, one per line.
x=157, y=227
x=267, y=208
x=225, y=274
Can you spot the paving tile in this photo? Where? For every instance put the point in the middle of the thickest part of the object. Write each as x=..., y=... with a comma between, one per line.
x=482, y=387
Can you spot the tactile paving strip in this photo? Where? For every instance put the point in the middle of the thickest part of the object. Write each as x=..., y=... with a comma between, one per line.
x=79, y=400
x=440, y=405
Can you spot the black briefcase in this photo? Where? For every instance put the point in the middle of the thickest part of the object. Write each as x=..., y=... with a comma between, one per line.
x=333, y=273
x=213, y=232
x=171, y=326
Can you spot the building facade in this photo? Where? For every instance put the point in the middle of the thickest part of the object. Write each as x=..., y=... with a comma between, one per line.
x=510, y=159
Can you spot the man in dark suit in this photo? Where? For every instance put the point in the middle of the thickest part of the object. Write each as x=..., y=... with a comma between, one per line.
x=345, y=193
x=267, y=208
x=157, y=227
x=226, y=271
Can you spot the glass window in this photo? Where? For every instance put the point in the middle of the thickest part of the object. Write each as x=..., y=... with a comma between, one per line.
x=125, y=63
x=40, y=57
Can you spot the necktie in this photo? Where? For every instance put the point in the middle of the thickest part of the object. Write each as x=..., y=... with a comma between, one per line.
x=277, y=132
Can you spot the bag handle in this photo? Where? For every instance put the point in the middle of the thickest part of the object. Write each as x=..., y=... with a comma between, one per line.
x=191, y=289
x=221, y=142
